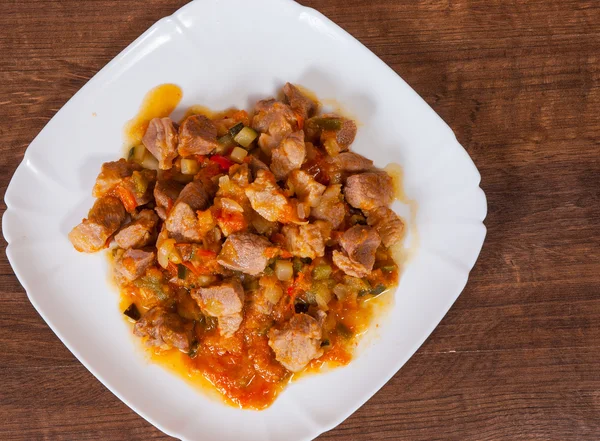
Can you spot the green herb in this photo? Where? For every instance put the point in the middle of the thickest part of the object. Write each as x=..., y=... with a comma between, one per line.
x=344, y=330
x=182, y=272
x=378, y=289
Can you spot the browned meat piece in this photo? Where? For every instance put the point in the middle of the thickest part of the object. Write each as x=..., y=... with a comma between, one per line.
x=304, y=240
x=302, y=105
x=165, y=194
x=161, y=140
x=240, y=174
x=182, y=222
x=388, y=224
x=197, y=136
x=274, y=120
x=165, y=329
x=140, y=232
x=256, y=165
x=132, y=264
x=224, y=301
x=289, y=155
x=306, y=188
x=245, y=252
x=104, y=218
x=268, y=200
x=369, y=190
x=360, y=243
x=297, y=342
x=348, y=163
x=111, y=174
x=345, y=136
x=331, y=207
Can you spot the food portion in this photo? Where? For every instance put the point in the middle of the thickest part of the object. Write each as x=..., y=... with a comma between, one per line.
x=250, y=245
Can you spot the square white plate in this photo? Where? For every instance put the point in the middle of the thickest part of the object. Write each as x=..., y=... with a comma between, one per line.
x=222, y=54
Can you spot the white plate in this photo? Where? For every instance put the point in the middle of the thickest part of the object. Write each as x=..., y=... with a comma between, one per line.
x=230, y=53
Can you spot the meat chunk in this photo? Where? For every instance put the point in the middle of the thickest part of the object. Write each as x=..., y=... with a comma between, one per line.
x=245, y=252
x=300, y=103
x=369, y=190
x=132, y=264
x=140, y=232
x=104, y=218
x=197, y=136
x=388, y=224
x=289, y=155
x=256, y=165
x=331, y=207
x=304, y=240
x=161, y=140
x=165, y=194
x=268, y=200
x=165, y=329
x=111, y=174
x=182, y=222
x=225, y=302
x=306, y=187
x=348, y=163
x=297, y=342
x=360, y=244
x=274, y=120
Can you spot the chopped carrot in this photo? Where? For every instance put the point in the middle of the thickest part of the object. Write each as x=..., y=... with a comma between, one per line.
x=127, y=198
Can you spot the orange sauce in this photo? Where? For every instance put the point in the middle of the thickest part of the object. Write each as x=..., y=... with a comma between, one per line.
x=158, y=103
x=231, y=366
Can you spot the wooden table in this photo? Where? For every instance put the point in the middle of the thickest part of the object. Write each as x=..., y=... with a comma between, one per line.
x=518, y=355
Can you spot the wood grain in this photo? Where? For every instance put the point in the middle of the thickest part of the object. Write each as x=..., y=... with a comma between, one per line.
x=518, y=355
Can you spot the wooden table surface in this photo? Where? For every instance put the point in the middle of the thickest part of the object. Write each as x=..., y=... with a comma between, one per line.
x=518, y=355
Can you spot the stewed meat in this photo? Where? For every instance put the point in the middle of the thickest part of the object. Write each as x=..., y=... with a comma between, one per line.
x=300, y=103
x=369, y=190
x=289, y=155
x=111, y=174
x=245, y=252
x=161, y=140
x=360, y=244
x=304, y=240
x=132, y=264
x=306, y=187
x=268, y=199
x=182, y=221
x=140, y=232
x=388, y=224
x=297, y=342
x=197, y=136
x=225, y=302
x=165, y=329
x=274, y=120
x=165, y=194
x=104, y=218
x=331, y=207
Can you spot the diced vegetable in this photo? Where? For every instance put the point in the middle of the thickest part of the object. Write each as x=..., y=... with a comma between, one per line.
x=300, y=307
x=226, y=142
x=322, y=294
x=379, y=289
x=149, y=161
x=189, y=166
x=236, y=129
x=328, y=123
x=182, y=272
x=322, y=271
x=331, y=146
x=140, y=182
x=223, y=162
x=344, y=330
x=245, y=137
x=238, y=154
x=325, y=342
x=139, y=152
x=194, y=349
x=168, y=252
x=130, y=154
x=388, y=268
x=132, y=312
x=284, y=270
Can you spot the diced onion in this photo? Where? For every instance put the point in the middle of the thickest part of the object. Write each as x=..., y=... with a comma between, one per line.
x=231, y=206
x=284, y=270
x=331, y=146
x=271, y=289
x=205, y=280
x=238, y=154
x=139, y=151
x=245, y=137
x=189, y=166
x=164, y=251
x=149, y=161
